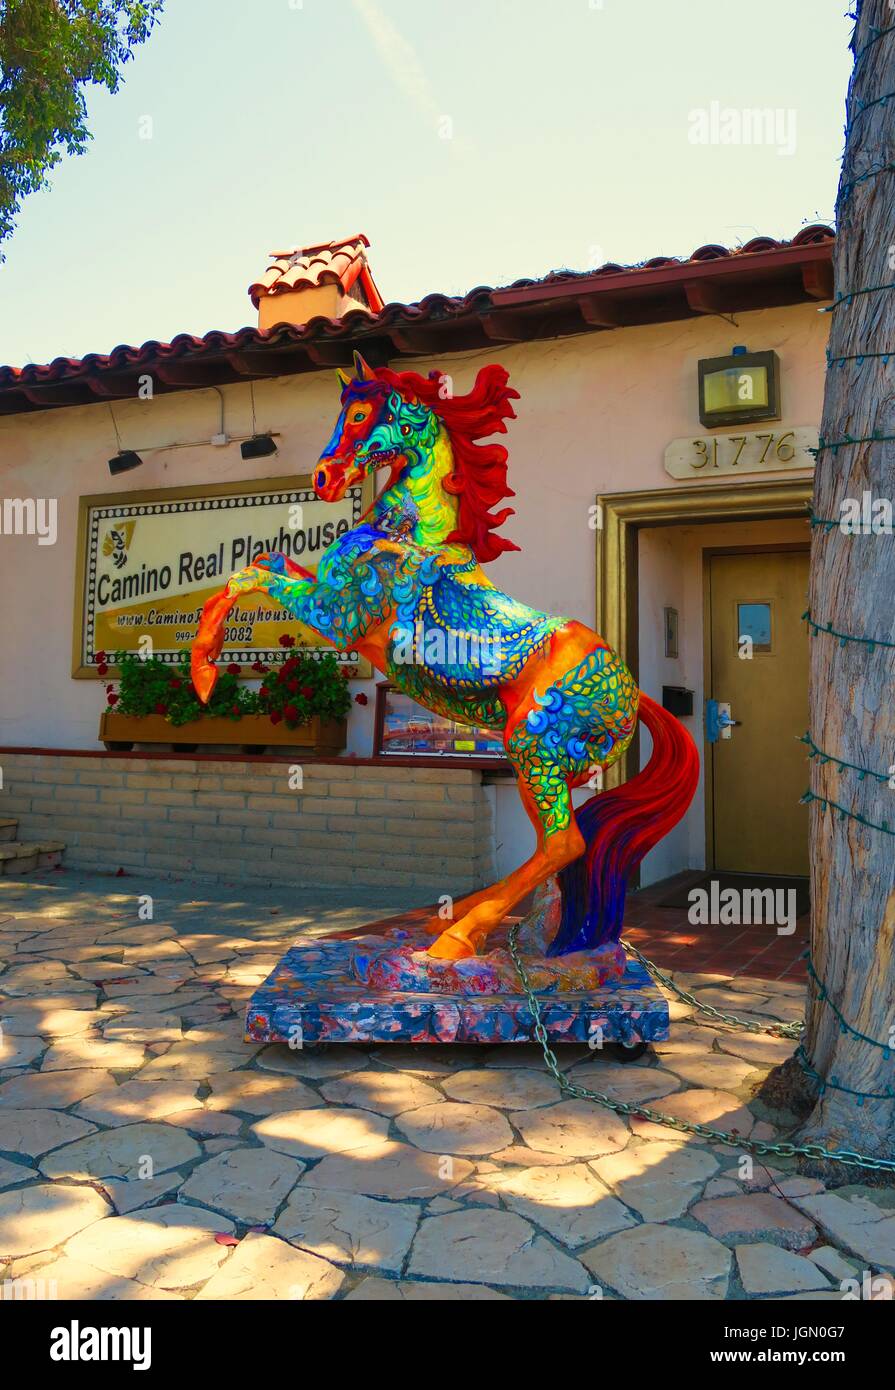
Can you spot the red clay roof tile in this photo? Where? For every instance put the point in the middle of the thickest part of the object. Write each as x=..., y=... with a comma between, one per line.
x=69, y=381
x=331, y=262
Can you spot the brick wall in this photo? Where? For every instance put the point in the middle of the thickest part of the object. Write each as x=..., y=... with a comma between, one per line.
x=402, y=827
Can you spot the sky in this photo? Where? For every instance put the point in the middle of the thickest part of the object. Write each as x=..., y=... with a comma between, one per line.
x=474, y=142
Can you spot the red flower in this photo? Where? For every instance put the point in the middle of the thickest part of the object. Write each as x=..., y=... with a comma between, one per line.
x=234, y=668
x=113, y=698
x=260, y=667
x=361, y=699
x=307, y=692
x=292, y=686
x=276, y=717
x=264, y=691
x=101, y=656
x=101, y=669
x=175, y=683
x=235, y=709
x=161, y=708
x=291, y=713
x=286, y=640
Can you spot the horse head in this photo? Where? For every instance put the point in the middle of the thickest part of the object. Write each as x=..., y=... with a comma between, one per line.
x=377, y=428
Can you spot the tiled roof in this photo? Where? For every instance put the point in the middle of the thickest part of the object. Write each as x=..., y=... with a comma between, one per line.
x=307, y=267
x=715, y=279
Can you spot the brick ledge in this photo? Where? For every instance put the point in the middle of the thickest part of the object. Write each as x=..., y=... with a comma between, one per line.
x=498, y=767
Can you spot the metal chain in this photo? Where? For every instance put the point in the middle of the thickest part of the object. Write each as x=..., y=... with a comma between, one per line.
x=776, y=1030
x=620, y=1107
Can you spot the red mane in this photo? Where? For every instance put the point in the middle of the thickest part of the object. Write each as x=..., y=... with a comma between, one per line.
x=479, y=478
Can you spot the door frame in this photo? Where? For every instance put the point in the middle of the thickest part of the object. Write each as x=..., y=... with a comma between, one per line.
x=621, y=515
x=773, y=547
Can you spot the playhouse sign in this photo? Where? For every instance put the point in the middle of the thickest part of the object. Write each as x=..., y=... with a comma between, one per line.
x=149, y=561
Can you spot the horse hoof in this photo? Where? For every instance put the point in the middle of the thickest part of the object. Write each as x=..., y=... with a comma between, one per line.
x=453, y=944
x=204, y=678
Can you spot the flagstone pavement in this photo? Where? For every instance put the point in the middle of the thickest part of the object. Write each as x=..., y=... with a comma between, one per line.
x=147, y=1152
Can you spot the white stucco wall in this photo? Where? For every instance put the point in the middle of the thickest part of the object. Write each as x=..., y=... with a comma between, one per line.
x=595, y=415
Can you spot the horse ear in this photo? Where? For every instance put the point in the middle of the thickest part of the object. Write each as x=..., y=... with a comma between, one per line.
x=343, y=378
x=362, y=370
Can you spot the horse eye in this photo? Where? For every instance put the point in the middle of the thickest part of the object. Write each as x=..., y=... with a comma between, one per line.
x=405, y=429
x=358, y=418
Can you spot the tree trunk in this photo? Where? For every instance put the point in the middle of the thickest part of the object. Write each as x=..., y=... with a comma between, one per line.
x=852, y=589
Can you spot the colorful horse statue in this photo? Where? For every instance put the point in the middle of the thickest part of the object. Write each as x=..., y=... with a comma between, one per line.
x=405, y=589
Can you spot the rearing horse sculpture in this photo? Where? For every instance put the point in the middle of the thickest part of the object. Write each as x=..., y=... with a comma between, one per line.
x=406, y=590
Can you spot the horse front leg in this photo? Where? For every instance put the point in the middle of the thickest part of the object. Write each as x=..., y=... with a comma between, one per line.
x=276, y=575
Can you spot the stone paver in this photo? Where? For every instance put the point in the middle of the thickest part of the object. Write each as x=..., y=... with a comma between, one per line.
x=706, y=1106
x=492, y=1247
x=397, y=1171
x=254, y=1093
x=503, y=1089
x=55, y=1090
x=768, y=1269
x=386, y=1092
x=661, y=1262
x=132, y=1152
x=72, y=1279
x=18, y=1049
x=137, y=1100
x=80, y=1051
x=712, y=1069
x=146, y=1137
x=566, y=1200
x=130, y=1196
x=36, y=1132
x=263, y=1267
x=450, y=1127
x=300, y=1061
x=858, y=1224
x=658, y=1181
x=573, y=1127
x=317, y=1133
x=349, y=1229
x=11, y=1174
x=629, y=1083
x=755, y=1216
x=40, y=1217
x=248, y=1184
x=169, y=1246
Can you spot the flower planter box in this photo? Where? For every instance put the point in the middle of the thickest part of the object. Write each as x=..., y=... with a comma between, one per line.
x=253, y=733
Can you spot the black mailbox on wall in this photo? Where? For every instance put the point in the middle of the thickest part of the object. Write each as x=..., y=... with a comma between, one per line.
x=677, y=700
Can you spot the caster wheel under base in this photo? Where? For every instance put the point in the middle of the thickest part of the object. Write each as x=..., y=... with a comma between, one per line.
x=621, y=1052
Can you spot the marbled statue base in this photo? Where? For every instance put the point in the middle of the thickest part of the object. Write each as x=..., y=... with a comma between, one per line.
x=378, y=984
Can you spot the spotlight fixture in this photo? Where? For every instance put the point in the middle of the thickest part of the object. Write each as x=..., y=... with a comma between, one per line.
x=124, y=461
x=260, y=446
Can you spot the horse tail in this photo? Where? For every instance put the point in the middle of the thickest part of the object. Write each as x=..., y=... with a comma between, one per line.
x=619, y=827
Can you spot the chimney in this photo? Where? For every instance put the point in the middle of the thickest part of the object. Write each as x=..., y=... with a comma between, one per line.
x=331, y=279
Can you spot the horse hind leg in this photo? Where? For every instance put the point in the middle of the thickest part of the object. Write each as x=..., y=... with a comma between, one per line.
x=548, y=802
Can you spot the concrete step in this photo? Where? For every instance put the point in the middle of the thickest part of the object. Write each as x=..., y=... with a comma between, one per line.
x=8, y=828
x=17, y=858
